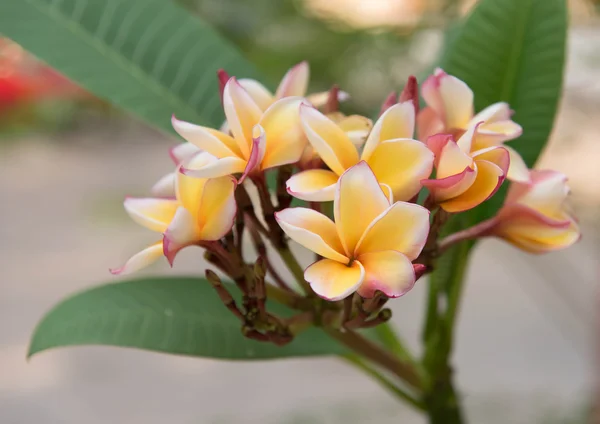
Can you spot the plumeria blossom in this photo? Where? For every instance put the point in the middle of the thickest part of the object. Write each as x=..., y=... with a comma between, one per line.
x=398, y=161
x=260, y=140
x=203, y=210
x=165, y=187
x=371, y=244
x=534, y=217
x=464, y=179
x=450, y=110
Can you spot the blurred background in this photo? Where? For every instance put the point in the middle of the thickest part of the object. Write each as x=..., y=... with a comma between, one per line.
x=527, y=348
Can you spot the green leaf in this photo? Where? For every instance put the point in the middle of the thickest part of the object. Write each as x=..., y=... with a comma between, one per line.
x=505, y=50
x=148, y=56
x=513, y=51
x=173, y=315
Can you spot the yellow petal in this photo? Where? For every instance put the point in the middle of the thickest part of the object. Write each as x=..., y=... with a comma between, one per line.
x=493, y=113
x=452, y=161
x=540, y=238
x=313, y=185
x=214, y=142
x=330, y=142
x=358, y=201
x=140, y=260
x=183, y=230
x=498, y=155
x=312, y=230
x=496, y=133
x=488, y=180
x=242, y=114
x=285, y=140
x=466, y=140
x=402, y=164
x=396, y=122
x=294, y=82
x=452, y=186
x=215, y=168
x=188, y=189
x=403, y=227
x=356, y=127
x=259, y=93
x=333, y=280
x=546, y=193
x=154, y=214
x=217, y=208
x=388, y=271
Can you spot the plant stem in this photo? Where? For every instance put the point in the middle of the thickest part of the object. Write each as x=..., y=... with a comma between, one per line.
x=359, y=344
x=391, y=340
x=480, y=230
x=392, y=388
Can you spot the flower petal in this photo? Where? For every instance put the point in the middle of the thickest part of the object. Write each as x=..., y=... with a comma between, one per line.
x=256, y=154
x=388, y=271
x=356, y=127
x=165, y=187
x=188, y=189
x=403, y=227
x=332, y=280
x=546, y=193
x=487, y=182
x=294, y=82
x=312, y=230
x=217, y=209
x=285, y=140
x=183, y=151
x=358, y=201
x=183, y=231
x=518, y=170
x=313, y=185
x=242, y=114
x=534, y=232
x=449, y=187
x=154, y=214
x=396, y=122
x=493, y=113
x=140, y=260
x=215, y=169
x=402, y=164
x=214, y=142
x=428, y=123
x=450, y=97
x=452, y=160
x=495, y=133
x=497, y=155
x=330, y=142
x=259, y=93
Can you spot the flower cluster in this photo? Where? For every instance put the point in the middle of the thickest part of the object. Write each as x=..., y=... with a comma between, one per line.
x=375, y=194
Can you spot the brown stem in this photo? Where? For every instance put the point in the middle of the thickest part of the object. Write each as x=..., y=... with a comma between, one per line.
x=224, y=295
x=379, y=356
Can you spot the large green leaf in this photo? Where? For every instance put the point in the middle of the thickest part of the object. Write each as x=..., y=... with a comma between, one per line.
x=148, y=56
x=173, y=315
x=513, y=51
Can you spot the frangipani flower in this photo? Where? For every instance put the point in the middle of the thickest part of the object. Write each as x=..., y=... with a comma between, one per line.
x=534, y=217
x=204, y=210
x=397, y=160
x=369, y=247
x=464, y=180
x=294, y=83
x=450, y=110
x=260, y=140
